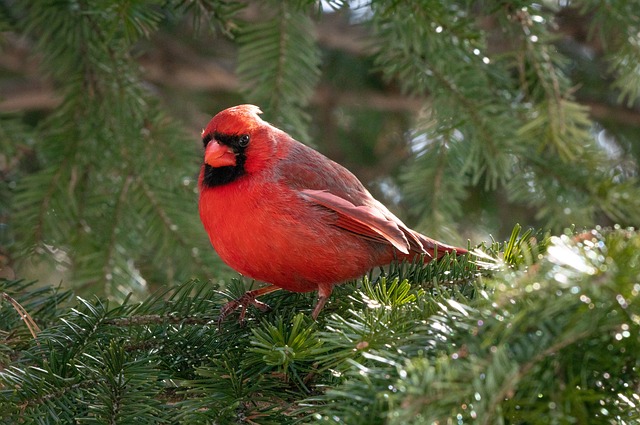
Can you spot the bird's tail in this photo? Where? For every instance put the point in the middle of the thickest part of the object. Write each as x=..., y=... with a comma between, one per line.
x=435, y=249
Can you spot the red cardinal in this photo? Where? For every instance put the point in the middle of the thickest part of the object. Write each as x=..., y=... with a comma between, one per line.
x=280, y=212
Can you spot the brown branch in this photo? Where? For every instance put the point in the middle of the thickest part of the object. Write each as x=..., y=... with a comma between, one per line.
x=28, y=96
x=40, y=96
x=171, y=63
x=605, y=112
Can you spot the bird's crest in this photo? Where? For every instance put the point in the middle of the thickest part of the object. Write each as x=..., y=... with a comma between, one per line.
x=236, y=120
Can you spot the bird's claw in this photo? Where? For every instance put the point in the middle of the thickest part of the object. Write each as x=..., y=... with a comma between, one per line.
x=244, y=301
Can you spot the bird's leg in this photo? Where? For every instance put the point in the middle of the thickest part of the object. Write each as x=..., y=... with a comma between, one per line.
x=323, y=295
x=321, y=302
x=247, y=299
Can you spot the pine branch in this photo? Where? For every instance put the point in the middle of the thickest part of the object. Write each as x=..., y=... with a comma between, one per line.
x=108, y=133
x=617, y=29
x=432, y=183
x=530, y=341
x=278, y=66
x=214, y=14
x=509, y=351
x=445, y=58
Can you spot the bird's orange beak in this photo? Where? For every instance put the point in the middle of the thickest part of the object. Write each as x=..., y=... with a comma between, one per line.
x=218, y=155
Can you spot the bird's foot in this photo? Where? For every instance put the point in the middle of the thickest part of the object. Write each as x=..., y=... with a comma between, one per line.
x=247, y=299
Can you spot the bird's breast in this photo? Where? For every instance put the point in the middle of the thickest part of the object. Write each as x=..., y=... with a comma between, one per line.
x=270, y=233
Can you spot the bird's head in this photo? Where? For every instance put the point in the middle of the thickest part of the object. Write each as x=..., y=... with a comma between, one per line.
x=235, y=142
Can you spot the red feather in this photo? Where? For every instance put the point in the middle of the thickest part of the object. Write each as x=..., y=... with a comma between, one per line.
x=362, y=220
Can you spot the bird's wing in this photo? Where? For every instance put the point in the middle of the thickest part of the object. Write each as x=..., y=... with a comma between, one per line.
x=329, y=185
x=362, y=220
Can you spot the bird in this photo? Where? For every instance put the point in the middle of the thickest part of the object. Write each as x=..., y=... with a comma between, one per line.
x=280, y=212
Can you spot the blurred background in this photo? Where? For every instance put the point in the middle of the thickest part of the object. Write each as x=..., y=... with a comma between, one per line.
x=463, y=117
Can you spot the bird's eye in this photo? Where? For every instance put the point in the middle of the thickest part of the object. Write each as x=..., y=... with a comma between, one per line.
x=244, y=140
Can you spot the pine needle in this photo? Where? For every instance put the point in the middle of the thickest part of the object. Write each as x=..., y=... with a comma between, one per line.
x=33, y=327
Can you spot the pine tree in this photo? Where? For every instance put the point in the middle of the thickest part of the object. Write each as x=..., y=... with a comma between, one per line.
x=509, y=110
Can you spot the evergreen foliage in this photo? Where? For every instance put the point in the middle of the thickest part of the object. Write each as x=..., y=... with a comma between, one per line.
x=106, y=151
x=104, y=184
x=502, y=125
x=549, y=335
x=278, y=65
